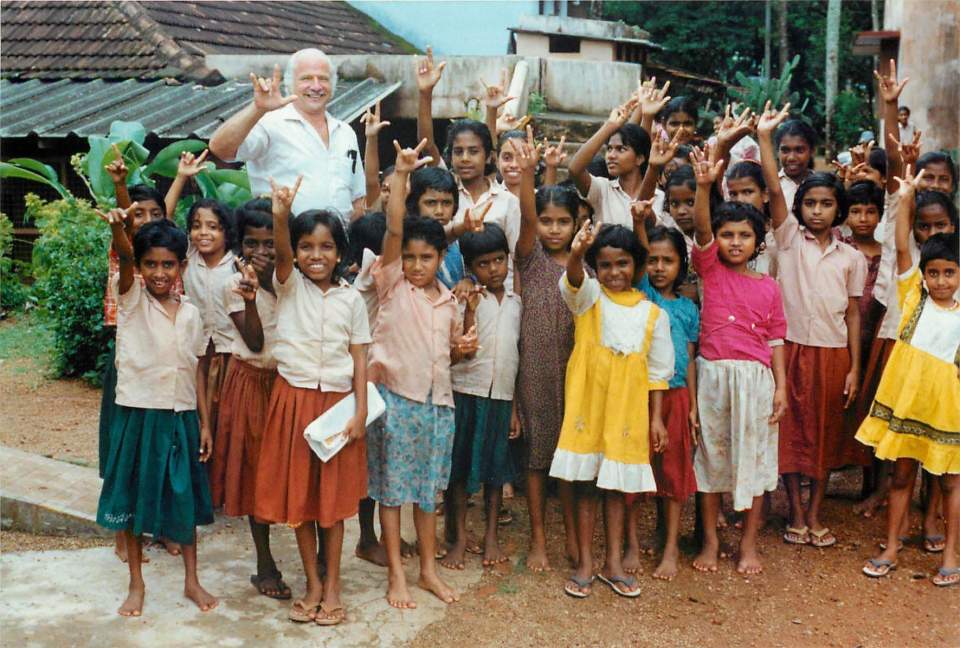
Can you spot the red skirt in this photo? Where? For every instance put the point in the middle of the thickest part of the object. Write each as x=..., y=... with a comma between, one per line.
x=292, y=485
x=673, y=468
x=216, y=377
x=814, y=432
x=243, y=417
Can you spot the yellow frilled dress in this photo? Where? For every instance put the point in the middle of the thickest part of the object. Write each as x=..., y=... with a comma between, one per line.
x=916, y=411
x=622, y=351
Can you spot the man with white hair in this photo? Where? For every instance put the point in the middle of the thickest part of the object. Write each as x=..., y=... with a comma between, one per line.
x=282, y=137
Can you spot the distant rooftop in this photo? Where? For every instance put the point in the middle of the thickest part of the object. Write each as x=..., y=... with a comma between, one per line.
x=587, y=28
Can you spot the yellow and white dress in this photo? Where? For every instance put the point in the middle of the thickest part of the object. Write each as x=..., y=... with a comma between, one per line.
x=622, y=351
x=916, y=412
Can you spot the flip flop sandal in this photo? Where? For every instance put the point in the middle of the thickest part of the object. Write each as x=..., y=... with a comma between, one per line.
x=947, y=576
x=504, y=517
x=284, y=592
x=934, y=543
x=333, y=617
x=878, y=567
x=900, y=542
x=629, y=581
x=300, y=613
x=822, y=538
x=581, y=583
x=796, y=536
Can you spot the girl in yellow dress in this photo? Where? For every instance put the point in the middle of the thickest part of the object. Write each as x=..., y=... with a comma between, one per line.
x=915, y=416
x=620, y=365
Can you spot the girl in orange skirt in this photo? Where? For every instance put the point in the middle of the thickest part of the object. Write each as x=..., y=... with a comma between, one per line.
x=822, y=280
x=252, y=305
x=320, y=350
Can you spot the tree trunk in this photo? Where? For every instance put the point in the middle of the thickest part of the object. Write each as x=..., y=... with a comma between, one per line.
x=784, y=40
x=832, y=45
x=766, y=38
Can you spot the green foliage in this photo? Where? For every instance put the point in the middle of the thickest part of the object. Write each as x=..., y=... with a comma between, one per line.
x=536, y=103
x=29, y=169
x=27, y=337
x=755, y=92
x=70, y=266
x=13, y=292
x=851, y=116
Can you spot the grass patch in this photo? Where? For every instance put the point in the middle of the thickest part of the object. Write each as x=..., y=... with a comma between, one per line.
x=25, y=336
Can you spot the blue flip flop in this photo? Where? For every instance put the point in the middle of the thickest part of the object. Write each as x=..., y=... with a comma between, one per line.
x=878, y=567
x=944, y=573
x=580, y=583
x=629, y=581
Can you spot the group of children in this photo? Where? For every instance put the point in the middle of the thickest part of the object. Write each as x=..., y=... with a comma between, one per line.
x=674, y=320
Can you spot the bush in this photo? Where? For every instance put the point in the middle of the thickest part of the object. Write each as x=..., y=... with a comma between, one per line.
x=13, y=292
x=70, y=266
x=851, y=116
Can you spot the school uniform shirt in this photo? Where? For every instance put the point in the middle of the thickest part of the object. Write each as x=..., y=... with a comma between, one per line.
x=365, y=285
x=816, y=284
x=204, y=286
x=611, y=204
x=284, y=145
x=789, y=188
x=267, y=310
x=492, y=372
x=156, y=354
x=110, y=298
x=410, y=355
x=504, y=211
x=315, y=330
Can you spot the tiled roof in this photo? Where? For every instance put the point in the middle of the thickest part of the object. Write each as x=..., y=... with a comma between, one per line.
x=83, y=108
x=155, y=40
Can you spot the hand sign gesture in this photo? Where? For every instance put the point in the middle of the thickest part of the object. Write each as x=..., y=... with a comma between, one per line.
x=770, y=119
x=619, y=115
x=909, y=182
x=472, y=298
x=120, y=222
x=507, y=122
x=641, y=211
x=495, y=96
x=889, y=88
x=652, y=100
x=861, y=153
x=473, y=217
x=584, y=239
x=526, y=153
x=408, y=159
x=249, y=283
x=735, y=127
x=266, y=92
x=428, y=74
x=117, y=169
x=661, y=152
x=553, y=156
x=282, y=197
x=189, y=165
x=704, y=167
x=372, y=122
x=909, y=151
x=469, y=343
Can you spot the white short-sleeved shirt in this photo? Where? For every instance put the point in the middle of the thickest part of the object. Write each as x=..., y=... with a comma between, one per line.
x=267, y=310
x=156, y=354
x=284, y=145
x=611, y=204
x=504, y=211
x=204, y=286
x=314, y=332
x=492, y=372
x=367, y=288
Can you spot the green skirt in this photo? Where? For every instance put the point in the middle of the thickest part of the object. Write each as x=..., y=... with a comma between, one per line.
x=481, y=443
x=108, y=407
x=153, y=479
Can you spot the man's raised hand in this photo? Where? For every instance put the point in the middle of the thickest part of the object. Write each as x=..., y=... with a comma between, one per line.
x=267, y=95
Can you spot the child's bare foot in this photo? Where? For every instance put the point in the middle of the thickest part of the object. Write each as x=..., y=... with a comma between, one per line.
x=631, y=561
x=455, y=557
x=133, y=605
x=372, y=552
x=869, y=507
x=537, y=559
x=204, y=599
x=407, y=549
x=172, y=548
x=749, y=563
x=493, y=555
x=398, y=595
x=667, y=568
x=721, y=520
x=707, y=559
x=438, y=588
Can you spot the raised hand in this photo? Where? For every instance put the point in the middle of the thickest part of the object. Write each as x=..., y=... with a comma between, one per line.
x=117, y=170
x=909, y=151
x=553, y=156
x=526, y=153
x=705, y=168
x=619, y=115
x=189, y=165
x=583, y=239
x=507, y=122
x=372, y=124
x=495, y=96
x=889, y=88
x=909, y=182
x=651, y=99
x=121, y=224
x=473, y=217
x=408, y=159
x=842, y=170
x=642, y=211
x=428, y=74
x=771, y=118
x=861, y=152
x=266, y=92
x=472, y=298
x=661, y=152
x=282, y=197
x=249, y=283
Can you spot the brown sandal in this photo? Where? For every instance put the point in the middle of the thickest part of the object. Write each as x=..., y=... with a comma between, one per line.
x=300, y=613
x=333, y=617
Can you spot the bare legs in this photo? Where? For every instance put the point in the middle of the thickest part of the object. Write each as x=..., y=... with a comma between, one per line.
x=492, y=553
x=950, y=485
x=667, y=568
x=191, y=585
x=586, y=501
x=398, y=595
x=901, y=487
x=537, y=506
x=133, y=605
x=810, y=517
x=369, y=547
x=707, y=559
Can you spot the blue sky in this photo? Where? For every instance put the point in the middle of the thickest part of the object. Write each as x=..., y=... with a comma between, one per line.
x=451, y=27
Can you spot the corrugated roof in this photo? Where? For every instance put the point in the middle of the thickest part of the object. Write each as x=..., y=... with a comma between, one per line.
x=65, y=107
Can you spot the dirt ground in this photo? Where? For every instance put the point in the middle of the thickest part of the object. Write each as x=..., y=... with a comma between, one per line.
x=806, y=596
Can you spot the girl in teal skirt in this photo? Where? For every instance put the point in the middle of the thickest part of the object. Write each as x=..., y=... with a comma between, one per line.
x=152, y=478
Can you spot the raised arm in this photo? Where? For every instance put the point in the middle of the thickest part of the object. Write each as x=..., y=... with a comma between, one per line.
x=117, y=171
x=906, y=196
x=660, y=155
x=769, y=121
x=248, y=321
x=707, y=171
x=408, y=161
x=495, y=96
x=282, y=198
x=553, y=157
x=581, y=243
x=116, y=219
x=733, y=128
x=651, y=101
x=578, y=165
x=227, y=139
x=642, y=211
x=526, y=154
x=890, y=90
x=372, y=125
x=428, y=75
x=188, y=167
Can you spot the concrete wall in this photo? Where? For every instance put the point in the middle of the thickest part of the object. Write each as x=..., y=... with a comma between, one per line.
x=539, y=45
x=569, y=86
x=930, y=56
